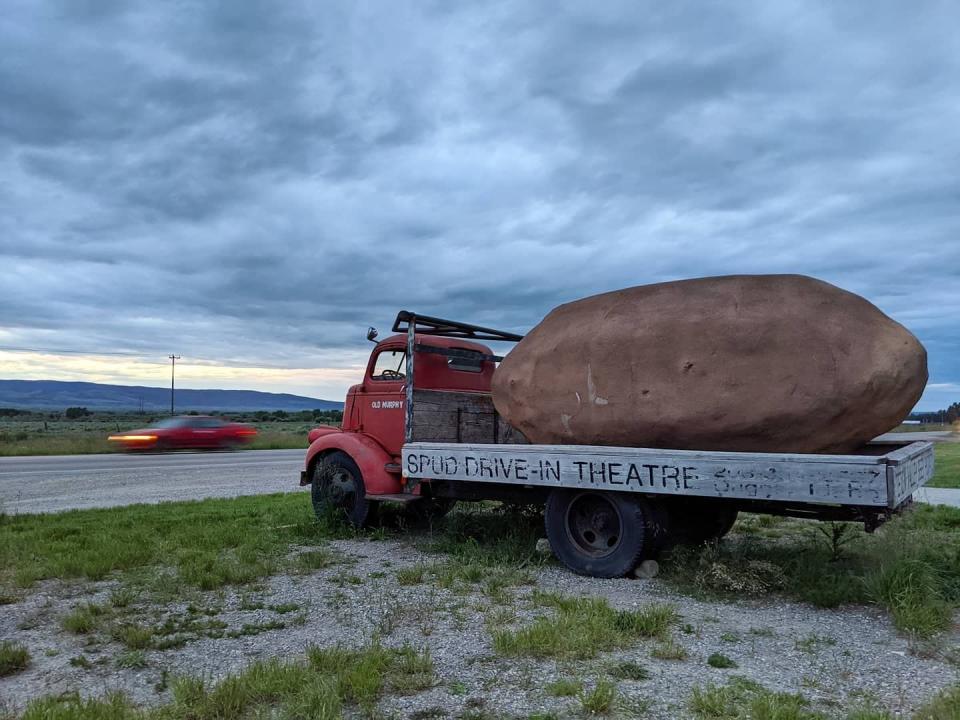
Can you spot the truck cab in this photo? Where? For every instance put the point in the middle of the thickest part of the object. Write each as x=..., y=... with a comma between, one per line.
x=360, y=461
x=376, y=407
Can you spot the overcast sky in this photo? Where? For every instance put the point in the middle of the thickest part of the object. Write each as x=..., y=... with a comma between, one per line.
x=251, y=184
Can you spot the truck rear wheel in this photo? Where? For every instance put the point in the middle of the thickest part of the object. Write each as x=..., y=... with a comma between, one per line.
x=600, y=534
x=337, y=487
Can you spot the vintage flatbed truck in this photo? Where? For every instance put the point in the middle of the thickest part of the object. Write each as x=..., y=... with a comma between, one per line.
x=421, y=429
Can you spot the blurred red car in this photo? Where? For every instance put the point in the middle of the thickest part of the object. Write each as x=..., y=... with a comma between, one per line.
x=188, y=432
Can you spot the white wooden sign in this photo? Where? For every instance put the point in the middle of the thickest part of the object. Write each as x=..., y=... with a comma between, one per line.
x=820, y=479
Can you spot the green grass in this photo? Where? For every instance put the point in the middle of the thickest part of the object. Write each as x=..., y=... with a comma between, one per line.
x=564, y=687
x=322, y=687
x=743, y=699
x=205, y=544
x=486, y=534
x=412, y=575
x=582, y=627
x=43, y=435
x=929, y=427
x=946, y=468
x=945, y=706
x=719, y=660
x=600, y=699
x=131, y=660
x=629, y=670
x=361, y=676
x=910, y=566
x=669, y=649
x=83, y=619
x=14, y=657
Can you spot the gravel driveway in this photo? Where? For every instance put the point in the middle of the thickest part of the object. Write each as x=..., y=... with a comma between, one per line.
x=836, y=659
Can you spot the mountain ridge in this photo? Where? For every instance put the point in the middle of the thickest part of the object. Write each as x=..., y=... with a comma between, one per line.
x=60, y=394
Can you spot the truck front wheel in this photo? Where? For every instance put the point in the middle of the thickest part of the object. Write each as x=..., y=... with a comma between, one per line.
x=337, y=487
x=600, y=534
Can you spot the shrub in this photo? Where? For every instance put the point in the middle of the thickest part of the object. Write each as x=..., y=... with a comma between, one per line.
x=719, y=660
x=599, y=700
x=14, y=657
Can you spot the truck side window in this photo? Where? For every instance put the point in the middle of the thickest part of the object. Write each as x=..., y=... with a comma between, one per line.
x=466, y=361
x=390, y=365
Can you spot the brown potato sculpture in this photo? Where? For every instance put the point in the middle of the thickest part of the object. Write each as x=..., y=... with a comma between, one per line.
x=762, y=363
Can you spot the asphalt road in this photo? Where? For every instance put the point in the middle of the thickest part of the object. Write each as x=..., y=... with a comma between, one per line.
x=931, y=435
x=63, y=482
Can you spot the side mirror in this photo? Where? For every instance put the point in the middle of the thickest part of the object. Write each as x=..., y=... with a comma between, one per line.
x=372, y=334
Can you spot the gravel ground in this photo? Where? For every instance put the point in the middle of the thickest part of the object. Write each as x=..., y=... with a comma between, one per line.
x=838, y=659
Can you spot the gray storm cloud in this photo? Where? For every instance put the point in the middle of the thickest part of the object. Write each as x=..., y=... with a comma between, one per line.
x=256, y=182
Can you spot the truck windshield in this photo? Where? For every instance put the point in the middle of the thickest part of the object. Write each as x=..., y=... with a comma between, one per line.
x=390, y=365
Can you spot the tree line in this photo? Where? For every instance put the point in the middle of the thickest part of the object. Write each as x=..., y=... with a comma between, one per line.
x=950, y=415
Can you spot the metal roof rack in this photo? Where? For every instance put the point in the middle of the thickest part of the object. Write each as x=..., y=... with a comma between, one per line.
x=426, y=325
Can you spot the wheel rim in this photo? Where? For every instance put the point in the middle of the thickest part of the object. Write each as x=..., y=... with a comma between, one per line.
x=594, y=524
x=338, y=487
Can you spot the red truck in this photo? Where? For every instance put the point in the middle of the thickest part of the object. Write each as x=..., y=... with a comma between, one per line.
x=421, y=429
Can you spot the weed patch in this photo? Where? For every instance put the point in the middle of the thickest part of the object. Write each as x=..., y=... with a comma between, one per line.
x=719, y=660
x=629, y=670
x=131, y=659
x=582, y=627
x=910, y=566
x=361, y=676
x=945, y=706
x=84, y=619
x=321, y=688
x=14, y=657
x=669, y=650
x=600, y=699
x=743, y=699
x=565, y=687
x=814, y=643
x=412, y=575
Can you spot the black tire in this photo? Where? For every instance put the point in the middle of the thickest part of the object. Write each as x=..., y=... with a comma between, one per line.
x=337, y=487
x=700, y=521
x=601, y=534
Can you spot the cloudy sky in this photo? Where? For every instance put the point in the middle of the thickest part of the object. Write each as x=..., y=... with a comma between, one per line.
x=251, y=184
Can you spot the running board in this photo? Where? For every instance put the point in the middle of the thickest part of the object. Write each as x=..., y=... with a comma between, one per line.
x=395, y=497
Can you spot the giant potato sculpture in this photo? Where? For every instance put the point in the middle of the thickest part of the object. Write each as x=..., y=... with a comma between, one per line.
x=763, y=363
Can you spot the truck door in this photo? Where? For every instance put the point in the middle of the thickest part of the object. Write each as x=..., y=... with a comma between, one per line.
x=383, y=402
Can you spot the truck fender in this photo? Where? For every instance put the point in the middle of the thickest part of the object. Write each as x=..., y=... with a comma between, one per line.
x=369, y=456
x=321, y=430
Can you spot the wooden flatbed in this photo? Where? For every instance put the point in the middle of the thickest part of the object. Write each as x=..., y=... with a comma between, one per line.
x=882, y=476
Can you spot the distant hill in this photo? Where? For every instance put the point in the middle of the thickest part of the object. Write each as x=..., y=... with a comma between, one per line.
x=56, y=395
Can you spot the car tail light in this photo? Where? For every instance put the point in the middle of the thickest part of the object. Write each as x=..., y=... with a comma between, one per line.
x=133, y=438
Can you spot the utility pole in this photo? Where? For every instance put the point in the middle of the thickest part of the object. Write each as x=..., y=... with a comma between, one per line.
x=173, y=365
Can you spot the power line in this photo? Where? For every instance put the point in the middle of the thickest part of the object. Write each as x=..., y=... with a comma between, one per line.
x=63, y=351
